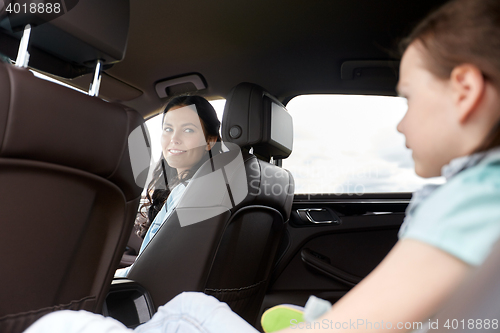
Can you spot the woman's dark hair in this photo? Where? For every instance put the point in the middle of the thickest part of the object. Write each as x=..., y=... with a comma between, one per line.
x=165, y=177
x=462, y=31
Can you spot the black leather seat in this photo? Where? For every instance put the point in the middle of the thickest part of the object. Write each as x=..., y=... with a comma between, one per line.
x=223, y=236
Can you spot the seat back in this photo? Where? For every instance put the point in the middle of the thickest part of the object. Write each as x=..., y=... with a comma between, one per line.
x=223, y=235
x=69, y=196
x=68, y=188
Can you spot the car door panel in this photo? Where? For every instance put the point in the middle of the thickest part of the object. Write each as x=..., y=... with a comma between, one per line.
x=328, y=259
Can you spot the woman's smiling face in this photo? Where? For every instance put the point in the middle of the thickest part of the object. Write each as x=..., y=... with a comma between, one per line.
x=183, y=139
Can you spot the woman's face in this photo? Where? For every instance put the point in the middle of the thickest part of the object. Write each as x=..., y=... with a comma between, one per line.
x=429, y=121
x=183, y=141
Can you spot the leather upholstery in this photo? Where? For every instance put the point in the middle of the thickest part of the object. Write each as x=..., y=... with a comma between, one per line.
x=3, y=7
x=254, y=118
x=223, y=235
x=68, y=196
x=68, y=43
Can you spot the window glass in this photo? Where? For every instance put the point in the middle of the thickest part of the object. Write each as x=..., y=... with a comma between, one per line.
x=349, y=144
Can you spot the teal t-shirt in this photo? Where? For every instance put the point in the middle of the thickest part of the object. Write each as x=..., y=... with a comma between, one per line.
x=462, y=217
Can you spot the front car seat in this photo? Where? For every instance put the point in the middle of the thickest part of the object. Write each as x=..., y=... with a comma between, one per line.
x=223, y=235
x=68, y=192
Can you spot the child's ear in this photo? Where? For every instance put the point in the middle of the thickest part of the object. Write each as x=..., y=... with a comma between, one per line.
x=468, y=88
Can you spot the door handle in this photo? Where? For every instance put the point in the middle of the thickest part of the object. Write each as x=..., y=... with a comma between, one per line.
x=305, y=214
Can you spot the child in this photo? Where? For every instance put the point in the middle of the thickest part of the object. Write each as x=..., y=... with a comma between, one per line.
x=450, y=74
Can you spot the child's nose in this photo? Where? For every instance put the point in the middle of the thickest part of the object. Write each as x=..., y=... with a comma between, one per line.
x=400, y=126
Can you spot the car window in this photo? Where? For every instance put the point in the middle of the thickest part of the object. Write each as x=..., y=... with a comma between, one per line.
x=349, y=144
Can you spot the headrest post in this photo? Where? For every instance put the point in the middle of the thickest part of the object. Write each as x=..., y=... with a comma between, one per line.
x=96, y=82
x=23, y=56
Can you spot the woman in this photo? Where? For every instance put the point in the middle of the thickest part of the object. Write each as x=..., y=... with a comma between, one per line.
x=190, y=130
x=450, y=74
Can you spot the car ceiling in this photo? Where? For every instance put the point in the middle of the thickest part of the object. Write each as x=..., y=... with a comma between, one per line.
x=288, y=47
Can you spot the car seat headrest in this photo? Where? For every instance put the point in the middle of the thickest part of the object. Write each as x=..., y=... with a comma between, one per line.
x=76, y=35
x=43, y=122
x=255, y=119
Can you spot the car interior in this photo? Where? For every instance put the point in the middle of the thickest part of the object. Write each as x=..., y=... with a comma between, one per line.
x=77, y=85
x=230, y=253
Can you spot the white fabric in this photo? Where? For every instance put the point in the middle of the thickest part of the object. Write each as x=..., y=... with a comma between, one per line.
x=315, y=308
x=76, y=322
x=188, y=312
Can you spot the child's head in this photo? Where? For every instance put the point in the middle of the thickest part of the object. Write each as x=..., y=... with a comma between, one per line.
x=450, y=74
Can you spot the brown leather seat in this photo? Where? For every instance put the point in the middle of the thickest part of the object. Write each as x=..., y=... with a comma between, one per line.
x=223, y=235
x=68, y=196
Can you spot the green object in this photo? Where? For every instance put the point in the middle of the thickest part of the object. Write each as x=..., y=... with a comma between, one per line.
x=280, y=317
